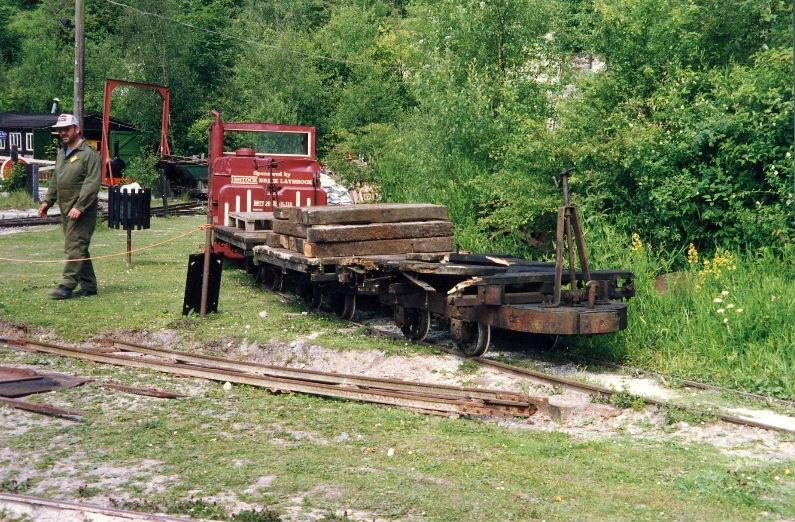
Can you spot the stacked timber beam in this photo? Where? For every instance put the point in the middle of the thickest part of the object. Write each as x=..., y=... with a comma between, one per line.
x=362, y=230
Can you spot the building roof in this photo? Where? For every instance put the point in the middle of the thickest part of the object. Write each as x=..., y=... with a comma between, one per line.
x=40, y=120
x=34, y=120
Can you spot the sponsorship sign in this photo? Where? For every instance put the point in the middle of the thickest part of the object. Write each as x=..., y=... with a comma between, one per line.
x=244, y=180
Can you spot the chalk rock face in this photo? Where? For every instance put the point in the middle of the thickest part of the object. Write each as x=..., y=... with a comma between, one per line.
x=337, y=193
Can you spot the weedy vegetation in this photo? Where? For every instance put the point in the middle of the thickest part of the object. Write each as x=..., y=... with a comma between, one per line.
x=16, y=199
x=722, y=318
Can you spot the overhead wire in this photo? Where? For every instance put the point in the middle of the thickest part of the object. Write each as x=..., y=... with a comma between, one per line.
x=291, y=50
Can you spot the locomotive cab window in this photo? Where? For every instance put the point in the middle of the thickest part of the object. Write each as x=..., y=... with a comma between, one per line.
x=270, y=143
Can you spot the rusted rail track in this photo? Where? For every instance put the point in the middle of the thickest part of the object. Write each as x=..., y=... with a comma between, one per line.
x=422, y=397
x=35, y=508
x=415, y=396
x=43, y=409
x=180, y=209
x=591, y=389
x=330, y=378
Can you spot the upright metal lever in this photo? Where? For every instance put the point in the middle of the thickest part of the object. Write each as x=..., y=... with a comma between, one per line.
x=569, y=231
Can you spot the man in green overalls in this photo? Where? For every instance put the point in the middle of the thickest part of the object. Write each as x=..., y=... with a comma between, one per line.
x=75, y=186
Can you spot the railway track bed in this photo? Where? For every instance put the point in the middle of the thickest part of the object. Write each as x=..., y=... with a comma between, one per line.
x=565, y=396
x=180, y=209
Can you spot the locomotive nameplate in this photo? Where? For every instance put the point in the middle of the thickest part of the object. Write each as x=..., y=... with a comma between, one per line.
x=245, y=180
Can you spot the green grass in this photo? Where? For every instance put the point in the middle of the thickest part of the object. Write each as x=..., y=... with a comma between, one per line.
x=19, y=200
x=745, y=340
x=334, y=453
x=149, y=295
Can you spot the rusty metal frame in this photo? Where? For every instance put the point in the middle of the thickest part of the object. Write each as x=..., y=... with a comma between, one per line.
x=163, y=149
x=569, y=231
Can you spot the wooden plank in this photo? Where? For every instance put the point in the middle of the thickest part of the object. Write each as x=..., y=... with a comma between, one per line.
x=274, y=240
x=422, y=267
x=375, y=213
x=494, y=259
x=419, y=282
x=377, y=231
x=375, y=263
x=429, y=257
x=388, y=246
x=242, y=239
x=277, y=255
x=296, y=244
x=289, y=228
x=285, y=213
x=251, y=221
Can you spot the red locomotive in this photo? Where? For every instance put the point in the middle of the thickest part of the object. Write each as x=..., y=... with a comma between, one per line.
x=272, y=166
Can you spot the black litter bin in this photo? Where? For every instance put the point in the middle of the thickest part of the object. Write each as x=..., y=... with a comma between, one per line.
x=129, y=210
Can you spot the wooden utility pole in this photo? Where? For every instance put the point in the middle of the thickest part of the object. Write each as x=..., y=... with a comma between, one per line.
x=80, y=60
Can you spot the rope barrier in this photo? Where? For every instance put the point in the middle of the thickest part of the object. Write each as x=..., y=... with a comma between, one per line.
x=107, y=256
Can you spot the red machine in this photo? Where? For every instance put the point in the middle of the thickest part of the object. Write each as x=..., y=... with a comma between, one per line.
x=272, y=166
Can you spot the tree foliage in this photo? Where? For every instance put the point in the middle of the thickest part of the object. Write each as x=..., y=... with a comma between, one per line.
x=684, y=135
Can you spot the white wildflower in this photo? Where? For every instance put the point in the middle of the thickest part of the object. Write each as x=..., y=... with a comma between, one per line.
x=721, y=310
x=724, y=293
x=726, y=320
x=739, y=310
x=717, y=300
x=730, y=305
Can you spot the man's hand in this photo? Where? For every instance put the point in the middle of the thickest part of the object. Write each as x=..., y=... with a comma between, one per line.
x=43, y=210
x=74, y=214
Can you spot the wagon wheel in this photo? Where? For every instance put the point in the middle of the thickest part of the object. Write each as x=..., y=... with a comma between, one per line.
x=343, y=304
x=310, y=293
x=470, y=337
x=279, y=281
x=265, y=276
x=416, y=322
x=544, y=341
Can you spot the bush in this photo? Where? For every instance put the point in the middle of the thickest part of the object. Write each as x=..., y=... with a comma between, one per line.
x=141, y=170
x=16, y=181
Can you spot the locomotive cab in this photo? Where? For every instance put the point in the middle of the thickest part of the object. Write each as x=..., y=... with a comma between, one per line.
x=256, y=167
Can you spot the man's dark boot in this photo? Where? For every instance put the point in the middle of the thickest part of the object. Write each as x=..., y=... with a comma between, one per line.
x=61, y=292
x=84, y=293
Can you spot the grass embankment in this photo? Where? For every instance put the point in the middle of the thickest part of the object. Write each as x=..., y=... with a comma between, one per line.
x=322, y=454
x=725, y=319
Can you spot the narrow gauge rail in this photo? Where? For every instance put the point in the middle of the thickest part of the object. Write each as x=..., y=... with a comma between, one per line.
x=179, y=209
x=421, y=397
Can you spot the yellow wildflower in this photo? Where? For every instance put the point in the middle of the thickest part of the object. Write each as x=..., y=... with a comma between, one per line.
x=637, y=244
x=692, y=254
